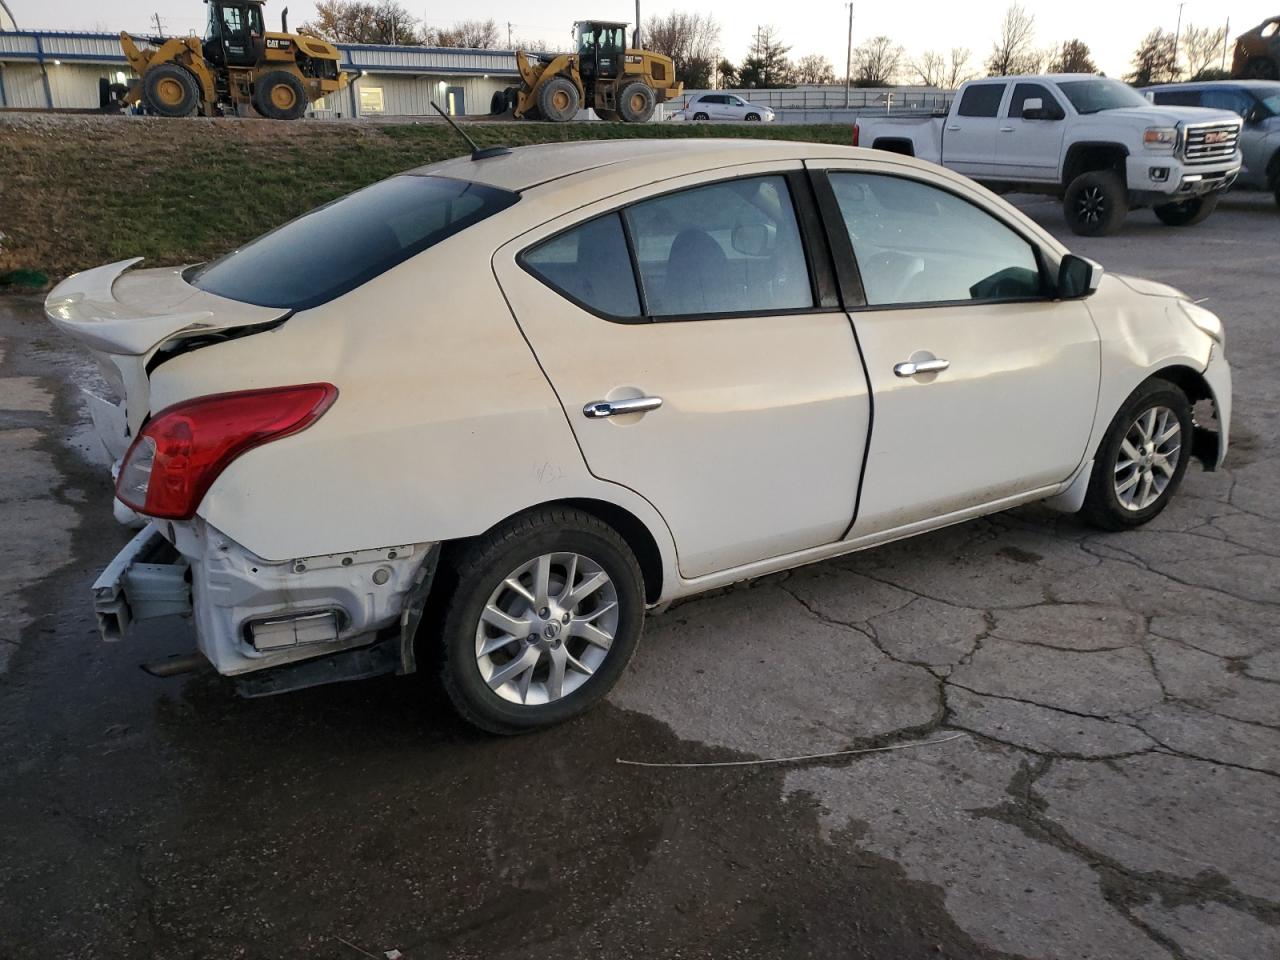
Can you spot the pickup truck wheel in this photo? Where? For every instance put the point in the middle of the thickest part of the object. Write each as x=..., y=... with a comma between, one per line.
x=1142, y=458
x=545, y=614
x=1095, y=203
x=1187, y=212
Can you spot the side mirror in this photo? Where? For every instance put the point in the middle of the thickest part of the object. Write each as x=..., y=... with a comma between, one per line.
x=755, y=239
x=1033, y=109
x=1078, y=277
x=1257, y=113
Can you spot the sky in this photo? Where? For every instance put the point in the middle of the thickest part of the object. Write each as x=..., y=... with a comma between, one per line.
x=1111, y=28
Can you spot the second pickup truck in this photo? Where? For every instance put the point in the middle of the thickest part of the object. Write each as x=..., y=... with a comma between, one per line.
x=1095, y=142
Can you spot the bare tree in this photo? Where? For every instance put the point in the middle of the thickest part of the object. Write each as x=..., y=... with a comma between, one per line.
x=530, y=46
x=1073, y=56
x=354, y=21
x=815, y=69
x=931, y=68
x=957, y=68
x=1201, y=47
x=474, y=34
x=877, y=62
x=1014, y=50
x=1154, y=60
x=692, y=40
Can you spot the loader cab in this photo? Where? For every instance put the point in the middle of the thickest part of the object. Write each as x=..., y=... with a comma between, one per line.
x=602, y=48
x=235, y=36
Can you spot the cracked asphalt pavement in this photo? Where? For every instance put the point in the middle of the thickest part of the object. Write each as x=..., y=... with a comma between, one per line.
x=1114, y=791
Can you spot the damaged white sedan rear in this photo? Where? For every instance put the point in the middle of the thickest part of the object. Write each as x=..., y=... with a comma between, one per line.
x=487, y=412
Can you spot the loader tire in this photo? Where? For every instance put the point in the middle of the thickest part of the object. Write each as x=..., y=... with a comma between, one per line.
x=497, y=103
x=558, y=100
x=279, y=95
x=636, y=102
x=169, y=90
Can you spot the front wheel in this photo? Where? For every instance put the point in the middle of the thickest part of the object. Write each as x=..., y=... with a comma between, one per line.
x=545, y=614
x=1095, y=203
x=279, y=95
x=1142, y=458
x=752, y=118
x=636, y=102
x=1186, y=212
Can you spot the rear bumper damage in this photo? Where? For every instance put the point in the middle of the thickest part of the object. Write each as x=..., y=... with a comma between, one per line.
x=356, y=612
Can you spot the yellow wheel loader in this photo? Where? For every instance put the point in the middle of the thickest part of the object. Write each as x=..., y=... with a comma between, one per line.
x=617, y=82
x=236, y=65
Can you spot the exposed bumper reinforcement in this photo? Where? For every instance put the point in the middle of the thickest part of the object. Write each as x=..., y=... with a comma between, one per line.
x=146, y=580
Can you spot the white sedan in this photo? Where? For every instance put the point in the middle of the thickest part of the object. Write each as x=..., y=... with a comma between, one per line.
x=725, y=106
x=483, y=414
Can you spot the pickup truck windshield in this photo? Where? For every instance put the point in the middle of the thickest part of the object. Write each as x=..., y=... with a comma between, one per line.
x=1096, y=95
x=335, y=248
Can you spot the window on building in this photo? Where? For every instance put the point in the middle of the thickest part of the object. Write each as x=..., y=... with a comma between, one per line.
x=371, y=99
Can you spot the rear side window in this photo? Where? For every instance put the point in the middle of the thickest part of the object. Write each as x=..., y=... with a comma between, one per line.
x=1177, y=98
x=590, y=265
x=336, y=248
x=729, y=247
x=981, y=100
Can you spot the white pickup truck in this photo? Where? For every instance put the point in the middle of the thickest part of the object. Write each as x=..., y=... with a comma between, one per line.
x=1096, y=143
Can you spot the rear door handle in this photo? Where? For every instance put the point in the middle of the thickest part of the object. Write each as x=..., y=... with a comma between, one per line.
x=956, y=127
x=911, y=367
x=1006, y=129
x=599, y=409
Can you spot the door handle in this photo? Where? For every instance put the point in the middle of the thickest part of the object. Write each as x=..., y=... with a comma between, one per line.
x=1006, y=129
x=912, y=367
x=599, y=409
x=955, y=127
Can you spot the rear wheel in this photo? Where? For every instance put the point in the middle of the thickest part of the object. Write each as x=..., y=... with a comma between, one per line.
x=279, y=95
x=700, y=116
x=498, y=102
x=1186, y=212
x=545, y=614
x=558, y=100
x=170, y=91
x=636, y=102
x=1142, y=458
x=1095, y=203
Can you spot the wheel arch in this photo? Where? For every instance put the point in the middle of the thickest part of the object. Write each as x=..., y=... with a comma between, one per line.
x=903, y=146
x=1090, y=155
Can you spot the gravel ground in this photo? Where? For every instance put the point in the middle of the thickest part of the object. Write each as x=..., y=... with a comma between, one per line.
x=1109, y=788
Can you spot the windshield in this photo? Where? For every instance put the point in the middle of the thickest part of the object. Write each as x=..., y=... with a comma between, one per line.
x=335, y=248
x=1095, y=95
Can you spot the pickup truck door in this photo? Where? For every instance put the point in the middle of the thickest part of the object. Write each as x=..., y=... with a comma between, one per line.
x=984, y=387
x=1030, y=148
x=741, y=404
x=969, y=136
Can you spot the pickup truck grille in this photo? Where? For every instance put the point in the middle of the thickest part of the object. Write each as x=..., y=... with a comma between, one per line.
x=1210, y=142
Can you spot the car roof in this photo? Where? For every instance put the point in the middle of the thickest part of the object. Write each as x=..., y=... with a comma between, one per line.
x=1040, y=77
x=526, y=167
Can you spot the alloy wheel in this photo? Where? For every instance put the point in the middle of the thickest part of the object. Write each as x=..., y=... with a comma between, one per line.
x=1092, y=204
x=1148, y=458
x=547, y=628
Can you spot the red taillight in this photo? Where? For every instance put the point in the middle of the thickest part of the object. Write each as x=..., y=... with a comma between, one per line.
x=856, y=134
x=182, y=449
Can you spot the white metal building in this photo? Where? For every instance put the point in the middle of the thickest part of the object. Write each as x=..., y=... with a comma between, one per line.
x=56, y=70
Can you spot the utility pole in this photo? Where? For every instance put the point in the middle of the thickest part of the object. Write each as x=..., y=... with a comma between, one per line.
x=848, y=58
x=1225, y=38
x=1177, y=32
x=509, y=35
x=155, y=18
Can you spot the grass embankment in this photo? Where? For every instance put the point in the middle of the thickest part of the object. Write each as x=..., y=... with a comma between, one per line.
x=79, y=191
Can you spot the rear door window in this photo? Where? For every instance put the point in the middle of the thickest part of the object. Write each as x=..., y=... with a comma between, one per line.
x=981, y=100
x=728, y=247
x=336, y=248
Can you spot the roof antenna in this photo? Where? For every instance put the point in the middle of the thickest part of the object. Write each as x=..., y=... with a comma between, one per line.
x=477, y=152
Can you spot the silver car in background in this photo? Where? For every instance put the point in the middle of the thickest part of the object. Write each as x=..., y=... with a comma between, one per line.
x=725, y=106
x=1258, y=103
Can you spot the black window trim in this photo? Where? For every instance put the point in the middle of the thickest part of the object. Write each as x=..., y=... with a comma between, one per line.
x=823, y=285
x=851, y=277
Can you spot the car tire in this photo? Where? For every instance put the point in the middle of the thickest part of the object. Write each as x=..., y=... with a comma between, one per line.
x=504, y=683
x=1095, y=203
x=279, y=95
x=1261, y=68
x=636, y=102
x=558, y=100
x=700, y=116
x=1187, y=212
x=1133, y=478
x=169, y=90
x=752, y=118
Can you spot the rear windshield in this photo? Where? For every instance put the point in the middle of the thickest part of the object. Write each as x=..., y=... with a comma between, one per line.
x=337, y=247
